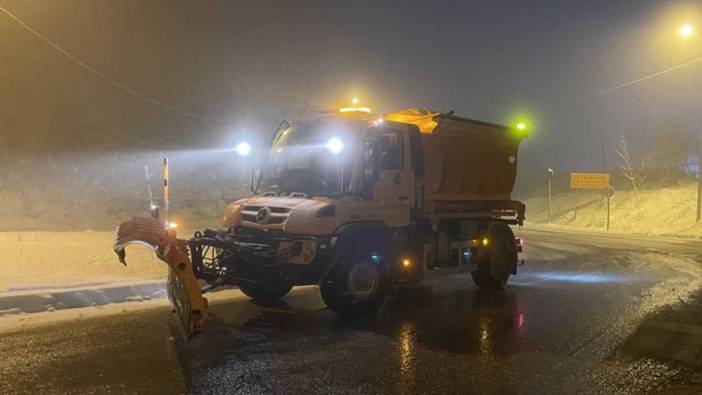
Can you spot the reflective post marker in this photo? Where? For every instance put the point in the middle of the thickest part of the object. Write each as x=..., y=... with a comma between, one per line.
x=164, y=171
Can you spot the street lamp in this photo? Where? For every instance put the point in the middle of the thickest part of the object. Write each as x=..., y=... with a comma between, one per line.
x=686, y=31
x=548, y=207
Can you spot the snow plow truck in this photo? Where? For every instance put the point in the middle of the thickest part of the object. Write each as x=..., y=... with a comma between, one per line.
x=357, y=204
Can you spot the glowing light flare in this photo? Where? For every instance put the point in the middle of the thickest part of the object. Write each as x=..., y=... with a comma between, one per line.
x=521, y=127
x=577, y=277
x=686, y=31
x=355, y=109
x=406, y=337
x=172, y=225
x=335, y=145
x=243, y=148
x=521, y=123
x=485, y=342
x=485, y=242
x=406, y=263
x=354, y=101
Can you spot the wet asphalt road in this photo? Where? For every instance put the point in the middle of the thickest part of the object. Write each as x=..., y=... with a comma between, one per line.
x=587, y=314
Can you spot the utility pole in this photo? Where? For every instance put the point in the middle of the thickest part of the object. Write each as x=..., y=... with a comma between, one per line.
x=608, y=197
x=604, y=154
x=548, y=208
x=699, y=182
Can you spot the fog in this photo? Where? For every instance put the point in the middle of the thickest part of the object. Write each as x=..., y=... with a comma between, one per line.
x=179, y=76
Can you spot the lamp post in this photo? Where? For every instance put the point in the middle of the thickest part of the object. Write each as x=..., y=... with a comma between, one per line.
x=686, y=32
x=699, y=181
x=548, y=206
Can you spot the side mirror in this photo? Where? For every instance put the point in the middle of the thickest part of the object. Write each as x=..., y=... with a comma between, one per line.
x=370, y=169
x=257, y=169
x=253, y=182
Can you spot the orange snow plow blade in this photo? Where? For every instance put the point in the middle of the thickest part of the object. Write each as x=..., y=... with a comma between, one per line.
x=183, y=288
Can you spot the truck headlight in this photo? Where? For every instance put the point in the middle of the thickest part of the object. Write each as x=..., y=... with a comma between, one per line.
x=335, y=145
x=243, y=148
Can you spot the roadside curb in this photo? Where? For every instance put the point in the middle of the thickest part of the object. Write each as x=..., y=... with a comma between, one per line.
x=588, y=231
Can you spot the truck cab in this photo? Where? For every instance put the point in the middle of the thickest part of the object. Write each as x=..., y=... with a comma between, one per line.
x=338, y=168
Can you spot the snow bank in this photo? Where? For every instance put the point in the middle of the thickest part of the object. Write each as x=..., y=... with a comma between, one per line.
x=40, y=259
x=665, y=211
x=90, y=295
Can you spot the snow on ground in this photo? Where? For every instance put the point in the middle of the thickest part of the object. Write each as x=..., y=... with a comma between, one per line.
x=665, y=211
x=52, y=271
x=49, y=259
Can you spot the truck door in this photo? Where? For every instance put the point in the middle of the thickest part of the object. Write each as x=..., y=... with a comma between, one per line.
x=393, y=192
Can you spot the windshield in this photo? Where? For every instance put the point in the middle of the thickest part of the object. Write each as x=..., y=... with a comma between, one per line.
x=314, y=158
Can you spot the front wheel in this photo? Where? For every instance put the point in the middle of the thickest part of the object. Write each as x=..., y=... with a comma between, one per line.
x=359, y=286
x=266, y=292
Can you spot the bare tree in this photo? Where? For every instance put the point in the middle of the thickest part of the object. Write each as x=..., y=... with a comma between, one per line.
x=633, y=169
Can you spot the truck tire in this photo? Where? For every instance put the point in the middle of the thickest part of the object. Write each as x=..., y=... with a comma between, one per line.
x=361, y=280
x=266, y=292
x=495, y=259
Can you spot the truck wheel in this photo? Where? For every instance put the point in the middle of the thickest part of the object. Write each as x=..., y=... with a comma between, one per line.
x=266, y=292
x=358, y=286
x=495, y=258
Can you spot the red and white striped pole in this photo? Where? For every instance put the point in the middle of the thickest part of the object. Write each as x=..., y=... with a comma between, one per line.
x=164, y=171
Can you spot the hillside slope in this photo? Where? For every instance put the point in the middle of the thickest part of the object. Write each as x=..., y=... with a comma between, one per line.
x=665, y=211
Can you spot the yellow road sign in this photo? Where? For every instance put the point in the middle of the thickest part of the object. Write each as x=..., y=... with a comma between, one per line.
x=589, y=180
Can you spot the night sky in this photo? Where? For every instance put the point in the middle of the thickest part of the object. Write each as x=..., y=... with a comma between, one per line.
x=250, y=64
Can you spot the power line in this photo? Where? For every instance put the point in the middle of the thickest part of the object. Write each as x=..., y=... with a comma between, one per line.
x=106, y=77
x=648, y=77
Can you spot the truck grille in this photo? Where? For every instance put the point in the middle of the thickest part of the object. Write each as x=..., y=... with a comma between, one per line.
x=276, y=216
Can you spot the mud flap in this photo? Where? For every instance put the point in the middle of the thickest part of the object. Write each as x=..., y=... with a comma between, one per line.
x=183, y=289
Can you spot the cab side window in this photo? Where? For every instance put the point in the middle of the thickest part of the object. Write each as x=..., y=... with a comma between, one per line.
x=390, y=145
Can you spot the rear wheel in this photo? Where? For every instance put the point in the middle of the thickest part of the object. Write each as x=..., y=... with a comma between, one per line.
x=266, y=292
x=495, y=257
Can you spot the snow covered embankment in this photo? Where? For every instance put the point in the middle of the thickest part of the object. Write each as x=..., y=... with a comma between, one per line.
x=665, y=211
x=45, y=271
